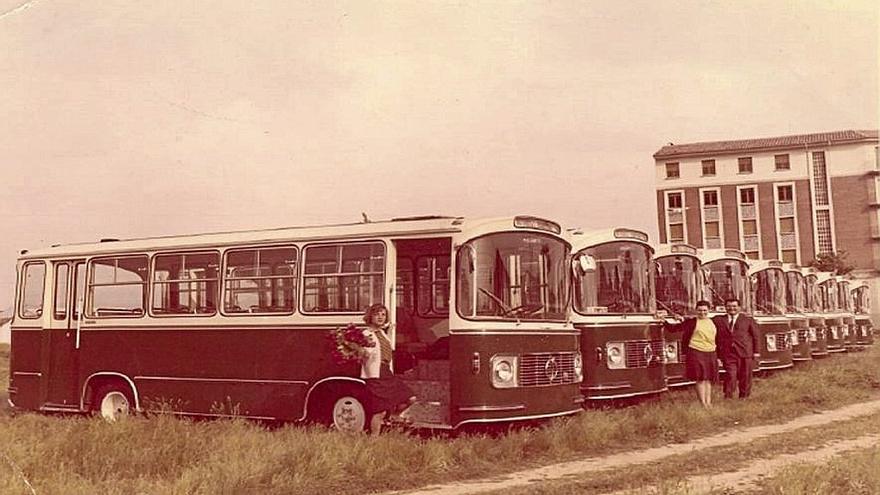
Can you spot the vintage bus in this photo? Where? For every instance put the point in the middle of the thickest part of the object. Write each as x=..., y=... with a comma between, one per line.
x=795, y=311
x=678, y=286
x=726, y=276
x=613, y=308
x=238, y=323
x=831, y=310
x=768, y=299
x=845, y=303
x=815, y=319
x=861, y=294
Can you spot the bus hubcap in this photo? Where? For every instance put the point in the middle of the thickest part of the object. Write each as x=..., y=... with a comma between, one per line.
x=349, y=414
x=114, y=406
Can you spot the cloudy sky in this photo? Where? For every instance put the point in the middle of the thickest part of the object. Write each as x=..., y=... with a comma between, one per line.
x=126, y=118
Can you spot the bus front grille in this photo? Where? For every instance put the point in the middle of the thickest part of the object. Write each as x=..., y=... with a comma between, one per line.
x=541, y=369
x=643, y=353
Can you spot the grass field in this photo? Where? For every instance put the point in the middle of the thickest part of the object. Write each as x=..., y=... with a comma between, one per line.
x=76, y=455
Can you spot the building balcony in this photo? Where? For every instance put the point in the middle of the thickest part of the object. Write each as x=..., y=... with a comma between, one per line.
x=710, y=213
x=788, y=240
x=747, y=212
x=713, y=243
x=786, y=209
x=750, y=242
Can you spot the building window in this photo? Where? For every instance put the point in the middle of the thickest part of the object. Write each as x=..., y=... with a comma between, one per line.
x=752, y=255
x=786, y=225
x=708, y=167
x=712, y=230
x=820, y=178
x=676, y=233
x=823, y=231
x=747, y=196
x=789, y=256
x=784, y=193
x=750, y=227
x=710, y=198
x=672, y=171
x=745, y=165
x=782, y=162
x=673, y=200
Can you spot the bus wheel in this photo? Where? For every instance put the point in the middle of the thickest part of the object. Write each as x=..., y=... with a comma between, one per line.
x=112, y=402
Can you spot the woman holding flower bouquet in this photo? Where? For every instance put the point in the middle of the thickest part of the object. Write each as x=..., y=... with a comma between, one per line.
x=387, y=394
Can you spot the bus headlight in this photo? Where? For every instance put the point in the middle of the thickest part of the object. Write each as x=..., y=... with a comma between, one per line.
x=614, y=351
x=771, y=343
x=671, y=351
x=578, y=366
x=504, y=370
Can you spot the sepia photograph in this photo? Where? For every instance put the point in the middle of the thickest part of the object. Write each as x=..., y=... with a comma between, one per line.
x=446, y=247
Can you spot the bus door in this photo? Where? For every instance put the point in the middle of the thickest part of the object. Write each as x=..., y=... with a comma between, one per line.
x=61, y=338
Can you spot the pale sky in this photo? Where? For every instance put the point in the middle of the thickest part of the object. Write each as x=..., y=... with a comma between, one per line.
x=128, y=119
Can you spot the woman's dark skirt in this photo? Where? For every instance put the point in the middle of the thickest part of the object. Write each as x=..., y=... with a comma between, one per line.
x=387, y=392
x=701, y=366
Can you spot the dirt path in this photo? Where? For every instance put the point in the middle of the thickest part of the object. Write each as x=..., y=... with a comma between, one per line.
x=556, y=471
x=747, y=477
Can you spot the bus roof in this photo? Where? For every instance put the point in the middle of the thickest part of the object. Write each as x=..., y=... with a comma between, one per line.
x=710, y=255
x=396, y=227
x=756, y=266
x=823, y=277
x=583, y=238
x=792, y=267
x=808, y=271
x=677, y=249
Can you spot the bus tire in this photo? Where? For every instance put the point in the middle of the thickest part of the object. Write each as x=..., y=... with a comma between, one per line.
x=343, y=409
x=113, y=402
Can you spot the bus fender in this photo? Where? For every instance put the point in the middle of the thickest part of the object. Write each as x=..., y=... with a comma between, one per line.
x=115, y=375
x=324, y=381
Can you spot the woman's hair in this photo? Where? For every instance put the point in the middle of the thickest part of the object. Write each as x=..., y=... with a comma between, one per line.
x=703, y=303
x=371, y=312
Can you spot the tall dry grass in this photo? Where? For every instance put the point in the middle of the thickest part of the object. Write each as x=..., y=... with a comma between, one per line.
x=161, y=454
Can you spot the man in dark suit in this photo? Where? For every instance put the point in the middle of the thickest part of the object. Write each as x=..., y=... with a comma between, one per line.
x=738, y=343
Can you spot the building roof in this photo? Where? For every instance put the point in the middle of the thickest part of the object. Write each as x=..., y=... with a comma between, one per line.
x=762, y=144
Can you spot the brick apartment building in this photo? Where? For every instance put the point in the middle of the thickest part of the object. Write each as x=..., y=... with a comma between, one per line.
x=786, y=197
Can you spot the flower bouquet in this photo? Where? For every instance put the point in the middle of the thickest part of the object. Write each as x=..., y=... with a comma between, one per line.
x=346, y=343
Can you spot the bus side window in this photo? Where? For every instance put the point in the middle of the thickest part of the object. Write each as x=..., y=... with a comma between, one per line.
x=117, y=286
x=343, y=277
x=261, y=280
x=59, y=311
x=186, y=283
x=34, y=278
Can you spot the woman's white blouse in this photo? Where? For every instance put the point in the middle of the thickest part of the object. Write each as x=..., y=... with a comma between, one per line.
x=373, y=361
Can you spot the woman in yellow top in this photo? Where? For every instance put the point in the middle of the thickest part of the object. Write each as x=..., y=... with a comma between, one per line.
x=701, y=361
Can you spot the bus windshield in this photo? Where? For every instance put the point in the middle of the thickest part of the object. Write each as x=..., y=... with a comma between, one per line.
x=622, y=281
x=678, y=284
x=828, y=291
x=769, y=291
x=794, y=293
x=727, y=279
x=843, y=296
x=513, y=275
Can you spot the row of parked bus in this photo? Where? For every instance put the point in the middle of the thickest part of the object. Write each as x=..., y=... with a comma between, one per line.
x=495, y=320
